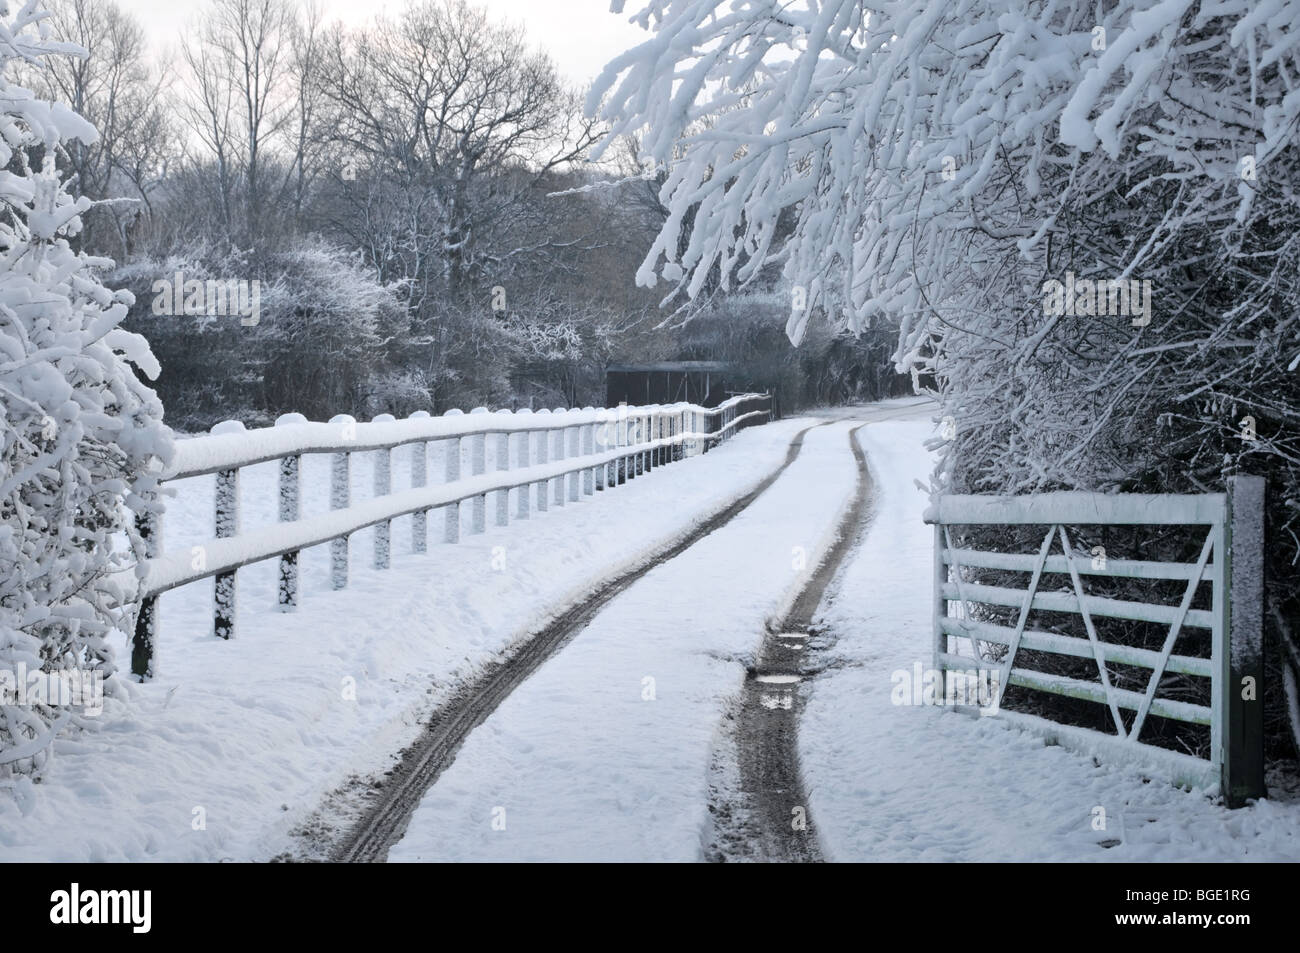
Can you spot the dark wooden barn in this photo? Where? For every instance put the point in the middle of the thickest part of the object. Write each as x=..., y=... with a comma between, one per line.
x=707, y=383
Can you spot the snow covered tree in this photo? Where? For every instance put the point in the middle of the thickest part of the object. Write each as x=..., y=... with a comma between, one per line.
x=81, y=438
x=467, y=120
x=117, y=89
x=935, y=164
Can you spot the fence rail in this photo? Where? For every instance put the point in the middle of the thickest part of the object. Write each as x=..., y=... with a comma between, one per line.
x=1230, y=561
x=548, y=458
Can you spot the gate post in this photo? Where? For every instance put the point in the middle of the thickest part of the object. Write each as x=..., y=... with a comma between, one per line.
x=939, y=610
x=1243, y=735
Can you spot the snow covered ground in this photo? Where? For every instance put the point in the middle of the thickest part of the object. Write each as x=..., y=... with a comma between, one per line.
x=899, y=783
x=236, y=743
x=604, y=753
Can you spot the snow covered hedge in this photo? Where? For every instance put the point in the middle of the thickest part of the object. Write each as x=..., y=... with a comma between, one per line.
x=79, y=434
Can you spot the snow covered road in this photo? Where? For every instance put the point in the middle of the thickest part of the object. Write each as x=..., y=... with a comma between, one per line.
x=604, y=754
x=621, y=745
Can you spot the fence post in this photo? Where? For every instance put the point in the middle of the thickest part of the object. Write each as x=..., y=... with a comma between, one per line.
x=643, y=436
x=290, y=511
x=383, y=487
x=419, y=478
x=478, y=467
x=543, y=456
x=1243, y=761
x=633, y=441
x=618, y=475
x=227, y=525
x=655, y=425
x=523, y=440
x=648, y=454
x=341, y=499
x=557, y=453
x=606, y=438
x=451, y=473
x=503, y=464
x=575, y=433
x=226, y=519
x=628, y=470
x=638, y=458
x=589, y=449
x=145, y=638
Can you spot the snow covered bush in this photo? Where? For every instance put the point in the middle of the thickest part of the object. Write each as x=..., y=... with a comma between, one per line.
x=323, y=341
x=81, y=438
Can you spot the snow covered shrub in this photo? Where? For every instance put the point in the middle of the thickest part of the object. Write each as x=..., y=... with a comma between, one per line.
x=81, y=439
x=322, y=342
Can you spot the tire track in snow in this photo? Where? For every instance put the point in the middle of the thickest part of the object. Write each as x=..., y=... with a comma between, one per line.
x=766, y=817
x=385, y=821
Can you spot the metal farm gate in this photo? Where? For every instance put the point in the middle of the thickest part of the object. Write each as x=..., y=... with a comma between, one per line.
x=1230, y=531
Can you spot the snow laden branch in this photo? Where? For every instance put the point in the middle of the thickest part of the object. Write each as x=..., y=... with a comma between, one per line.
x=1079, y=216
x=81, y=438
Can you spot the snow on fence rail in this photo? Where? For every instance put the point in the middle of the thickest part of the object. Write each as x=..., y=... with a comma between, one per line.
x=1231, y=560
x=562, y=455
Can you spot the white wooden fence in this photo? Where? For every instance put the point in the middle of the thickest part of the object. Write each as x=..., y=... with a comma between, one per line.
x=549, y=458
x=1231, y=560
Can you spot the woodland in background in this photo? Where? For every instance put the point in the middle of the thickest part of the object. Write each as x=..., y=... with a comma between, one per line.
x=414, y=200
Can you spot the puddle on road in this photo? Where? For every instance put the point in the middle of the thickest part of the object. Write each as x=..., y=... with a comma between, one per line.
x=777, y=701
x=779, y=679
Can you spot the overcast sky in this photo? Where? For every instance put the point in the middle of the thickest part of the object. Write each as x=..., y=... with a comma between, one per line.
x=581, y=35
